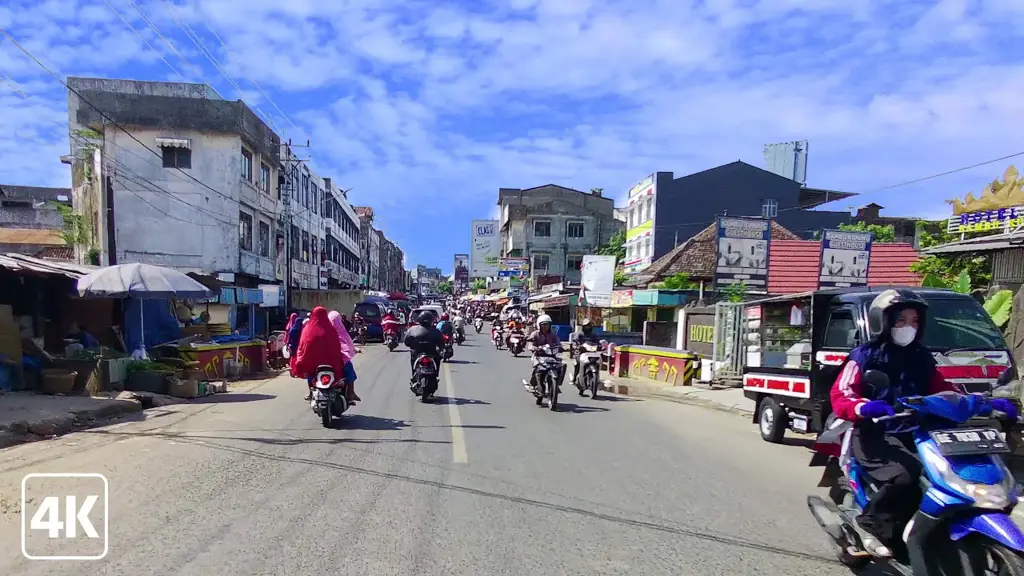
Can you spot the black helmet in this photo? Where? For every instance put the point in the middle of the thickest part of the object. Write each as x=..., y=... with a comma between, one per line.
x=426, y=318
x=886, y=307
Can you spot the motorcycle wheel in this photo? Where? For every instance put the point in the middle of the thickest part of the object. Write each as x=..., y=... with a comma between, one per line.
x=425, y=392
x=552, y=393
x=988, y=556
x=326, y=417
x=593, y=385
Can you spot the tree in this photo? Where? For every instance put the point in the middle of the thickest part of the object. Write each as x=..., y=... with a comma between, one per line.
x=948, y=267
x=616, y=246
x=620, y=278
x=478, y=284
x=444, y=287
x=879, y=233
x=678, y=281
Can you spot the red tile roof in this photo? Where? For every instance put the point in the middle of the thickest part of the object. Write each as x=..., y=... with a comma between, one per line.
x=794, y=265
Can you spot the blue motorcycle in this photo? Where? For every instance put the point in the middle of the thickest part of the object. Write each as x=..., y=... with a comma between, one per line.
x=963, y=524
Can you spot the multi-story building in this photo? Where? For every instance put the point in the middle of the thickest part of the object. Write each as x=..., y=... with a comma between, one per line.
x=664, y=211
x=341, y=229
x=31, y=223
x=301, y=221
x=554, y=227
x=425, y=280
x=391, y=265
x=171, y=174
x=369, y=249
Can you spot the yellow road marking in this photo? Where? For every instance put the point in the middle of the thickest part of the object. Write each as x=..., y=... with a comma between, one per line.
x=459, y=455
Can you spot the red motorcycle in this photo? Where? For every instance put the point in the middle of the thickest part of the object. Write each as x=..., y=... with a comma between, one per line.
x=449, y=350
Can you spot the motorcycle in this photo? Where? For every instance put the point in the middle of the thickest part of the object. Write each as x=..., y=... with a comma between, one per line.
x=424, y=383
x=963, y=522
x=330, y=396
x=460, y=336
x=478, y=324
x=590, y=358
x=361, y=335
x=449, y=351
x=550, y=371
x=391, y=340
x=516, y=342
x=499, y=338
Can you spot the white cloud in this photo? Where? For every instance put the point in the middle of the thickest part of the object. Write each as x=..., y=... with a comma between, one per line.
x=446, y=102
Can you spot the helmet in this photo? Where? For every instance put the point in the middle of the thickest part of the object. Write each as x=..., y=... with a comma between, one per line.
x=887, y=305
x=444, y=316
x=586, y=323
x=426, y=318
x=543, y=319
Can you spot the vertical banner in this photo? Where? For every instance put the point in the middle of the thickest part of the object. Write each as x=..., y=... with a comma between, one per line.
x=844, y=259
x=742, y=255
x=597, y=280
x=485, y=249
x=461, y=273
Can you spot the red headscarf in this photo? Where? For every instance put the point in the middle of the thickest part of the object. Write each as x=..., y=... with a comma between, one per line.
x=319, y=345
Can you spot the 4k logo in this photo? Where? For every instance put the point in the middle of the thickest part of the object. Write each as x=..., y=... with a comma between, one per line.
x=64, y=516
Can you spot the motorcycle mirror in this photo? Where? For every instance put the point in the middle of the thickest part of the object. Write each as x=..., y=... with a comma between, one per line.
x=876, y=379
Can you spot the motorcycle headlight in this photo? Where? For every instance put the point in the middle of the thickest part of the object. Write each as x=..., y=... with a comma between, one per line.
x=989, y=496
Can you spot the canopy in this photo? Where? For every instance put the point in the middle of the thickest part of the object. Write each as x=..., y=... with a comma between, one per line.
x=140, y=281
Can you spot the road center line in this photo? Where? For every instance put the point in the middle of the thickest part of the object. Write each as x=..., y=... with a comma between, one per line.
x=459, y=455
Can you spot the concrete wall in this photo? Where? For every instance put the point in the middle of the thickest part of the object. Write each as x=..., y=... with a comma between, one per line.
x=341, y=300
x=17, y=217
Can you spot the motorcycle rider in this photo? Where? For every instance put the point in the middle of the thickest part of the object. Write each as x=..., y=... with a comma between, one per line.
x=890, y=461
x=423, y=338
x=390, y=324
x=585, y=335
x=445, y=325
x=459, y=323
x=542, y=336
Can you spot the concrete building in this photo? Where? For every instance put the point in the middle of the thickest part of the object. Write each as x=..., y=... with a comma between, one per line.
x=425, y=280
x=31, y=224
x=555, y=227
x=369, y=249
x=391, y=262
x=171, y=174
x=664, y=211
x=301, y=220
x=341, y=226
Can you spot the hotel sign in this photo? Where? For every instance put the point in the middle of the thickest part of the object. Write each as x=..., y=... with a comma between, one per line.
x=987, y=220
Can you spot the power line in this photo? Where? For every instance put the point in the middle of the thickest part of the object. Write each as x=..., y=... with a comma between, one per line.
x=139, y=34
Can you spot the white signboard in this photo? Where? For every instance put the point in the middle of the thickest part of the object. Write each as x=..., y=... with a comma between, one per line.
x=485, y=249
x=844, y=259
x=597, y=280
x=324, y=275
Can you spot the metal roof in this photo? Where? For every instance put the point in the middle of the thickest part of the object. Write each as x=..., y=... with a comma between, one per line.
x=21, y=262
x=982, y=244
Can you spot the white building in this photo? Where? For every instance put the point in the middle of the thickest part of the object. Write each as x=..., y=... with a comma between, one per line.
x=341, y=225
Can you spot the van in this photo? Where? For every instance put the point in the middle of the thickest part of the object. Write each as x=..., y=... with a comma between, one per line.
x=372, y=312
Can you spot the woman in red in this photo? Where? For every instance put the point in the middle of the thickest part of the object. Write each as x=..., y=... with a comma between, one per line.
x=318, y=346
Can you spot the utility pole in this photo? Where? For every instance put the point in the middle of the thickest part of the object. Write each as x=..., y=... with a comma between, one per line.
x=286, y=197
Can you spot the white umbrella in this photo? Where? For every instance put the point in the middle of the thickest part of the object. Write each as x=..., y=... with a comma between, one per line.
x=140, y=281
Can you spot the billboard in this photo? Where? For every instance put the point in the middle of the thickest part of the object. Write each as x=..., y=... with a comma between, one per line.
x=513, y=267
x=742, y=255
x=787, y=159
x=461, y=272
x=486, y=247
x=597, y=280
x=844, y=259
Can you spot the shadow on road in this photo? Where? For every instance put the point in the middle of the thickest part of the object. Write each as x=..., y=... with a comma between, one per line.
x=660, y=526
x=609, y=398
x=577, y=409
x=232, y=397
x=458, y=401
x=199, y=438
x=367, y=422
x=453, y=361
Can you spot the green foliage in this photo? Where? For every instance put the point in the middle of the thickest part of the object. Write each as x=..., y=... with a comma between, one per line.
x=444, y=287
x=735, y=292
x=93, y=257
x=615, y=247
x=478, y=284
x=620, y=278
x=75, y=232
x=999, y=306
x=949, y=267
x=879, y=233
x=679, y=281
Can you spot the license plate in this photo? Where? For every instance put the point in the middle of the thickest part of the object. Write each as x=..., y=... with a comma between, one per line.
x=514, y=340
x=800, y=425
x=970, y=441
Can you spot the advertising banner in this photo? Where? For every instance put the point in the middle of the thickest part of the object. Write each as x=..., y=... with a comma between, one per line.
x=844, y=259
x=742, y=255
x=514, y=267
x=622, y=299
x=597, y=280
x=324, y=275
x=486, y=247
x=461, y=272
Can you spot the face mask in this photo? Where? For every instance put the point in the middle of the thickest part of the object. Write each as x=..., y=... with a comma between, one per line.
x=903, y=336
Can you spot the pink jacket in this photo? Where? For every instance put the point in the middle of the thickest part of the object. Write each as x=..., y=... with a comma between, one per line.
x=348, y=348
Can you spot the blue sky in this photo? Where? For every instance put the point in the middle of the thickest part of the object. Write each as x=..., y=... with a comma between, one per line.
x=425, y=109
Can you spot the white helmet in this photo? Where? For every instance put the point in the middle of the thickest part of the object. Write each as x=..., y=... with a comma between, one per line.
x=543, y=319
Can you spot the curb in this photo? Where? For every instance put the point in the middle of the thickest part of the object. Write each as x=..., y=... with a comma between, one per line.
x=642, y=392
x=23, y=431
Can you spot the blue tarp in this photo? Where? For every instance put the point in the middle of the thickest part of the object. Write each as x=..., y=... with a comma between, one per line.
x=161, y=325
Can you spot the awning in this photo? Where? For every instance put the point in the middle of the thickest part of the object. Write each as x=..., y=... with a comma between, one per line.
x=174, y=143
x=19, y=262
x=982, y=244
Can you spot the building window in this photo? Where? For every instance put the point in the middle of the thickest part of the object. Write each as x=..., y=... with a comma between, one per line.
x=264, y=178
x=246, y=165
x=175, y=157
x=305, y=246
x=314, y=203
x=264, y=239
x=574, y=230
x=313, y=259
x=650, y=208
x=574, y=262
x=540, y=262
x=542, y=229
x=245, y=231
x=769, y=208
x=296, y=247
x=304, y=200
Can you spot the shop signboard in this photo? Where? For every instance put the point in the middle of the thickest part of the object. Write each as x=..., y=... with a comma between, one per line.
x=514, y=267
x=844, y=259
x=699, y=331
x=1002, y=219
x=597, y=280
x=742, y=255
x=621, y=299
x=485, y=248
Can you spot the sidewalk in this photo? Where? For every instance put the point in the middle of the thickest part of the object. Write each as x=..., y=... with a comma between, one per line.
x=718, y=398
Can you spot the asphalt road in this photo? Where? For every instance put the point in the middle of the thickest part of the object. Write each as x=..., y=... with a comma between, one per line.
x=481, y=483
